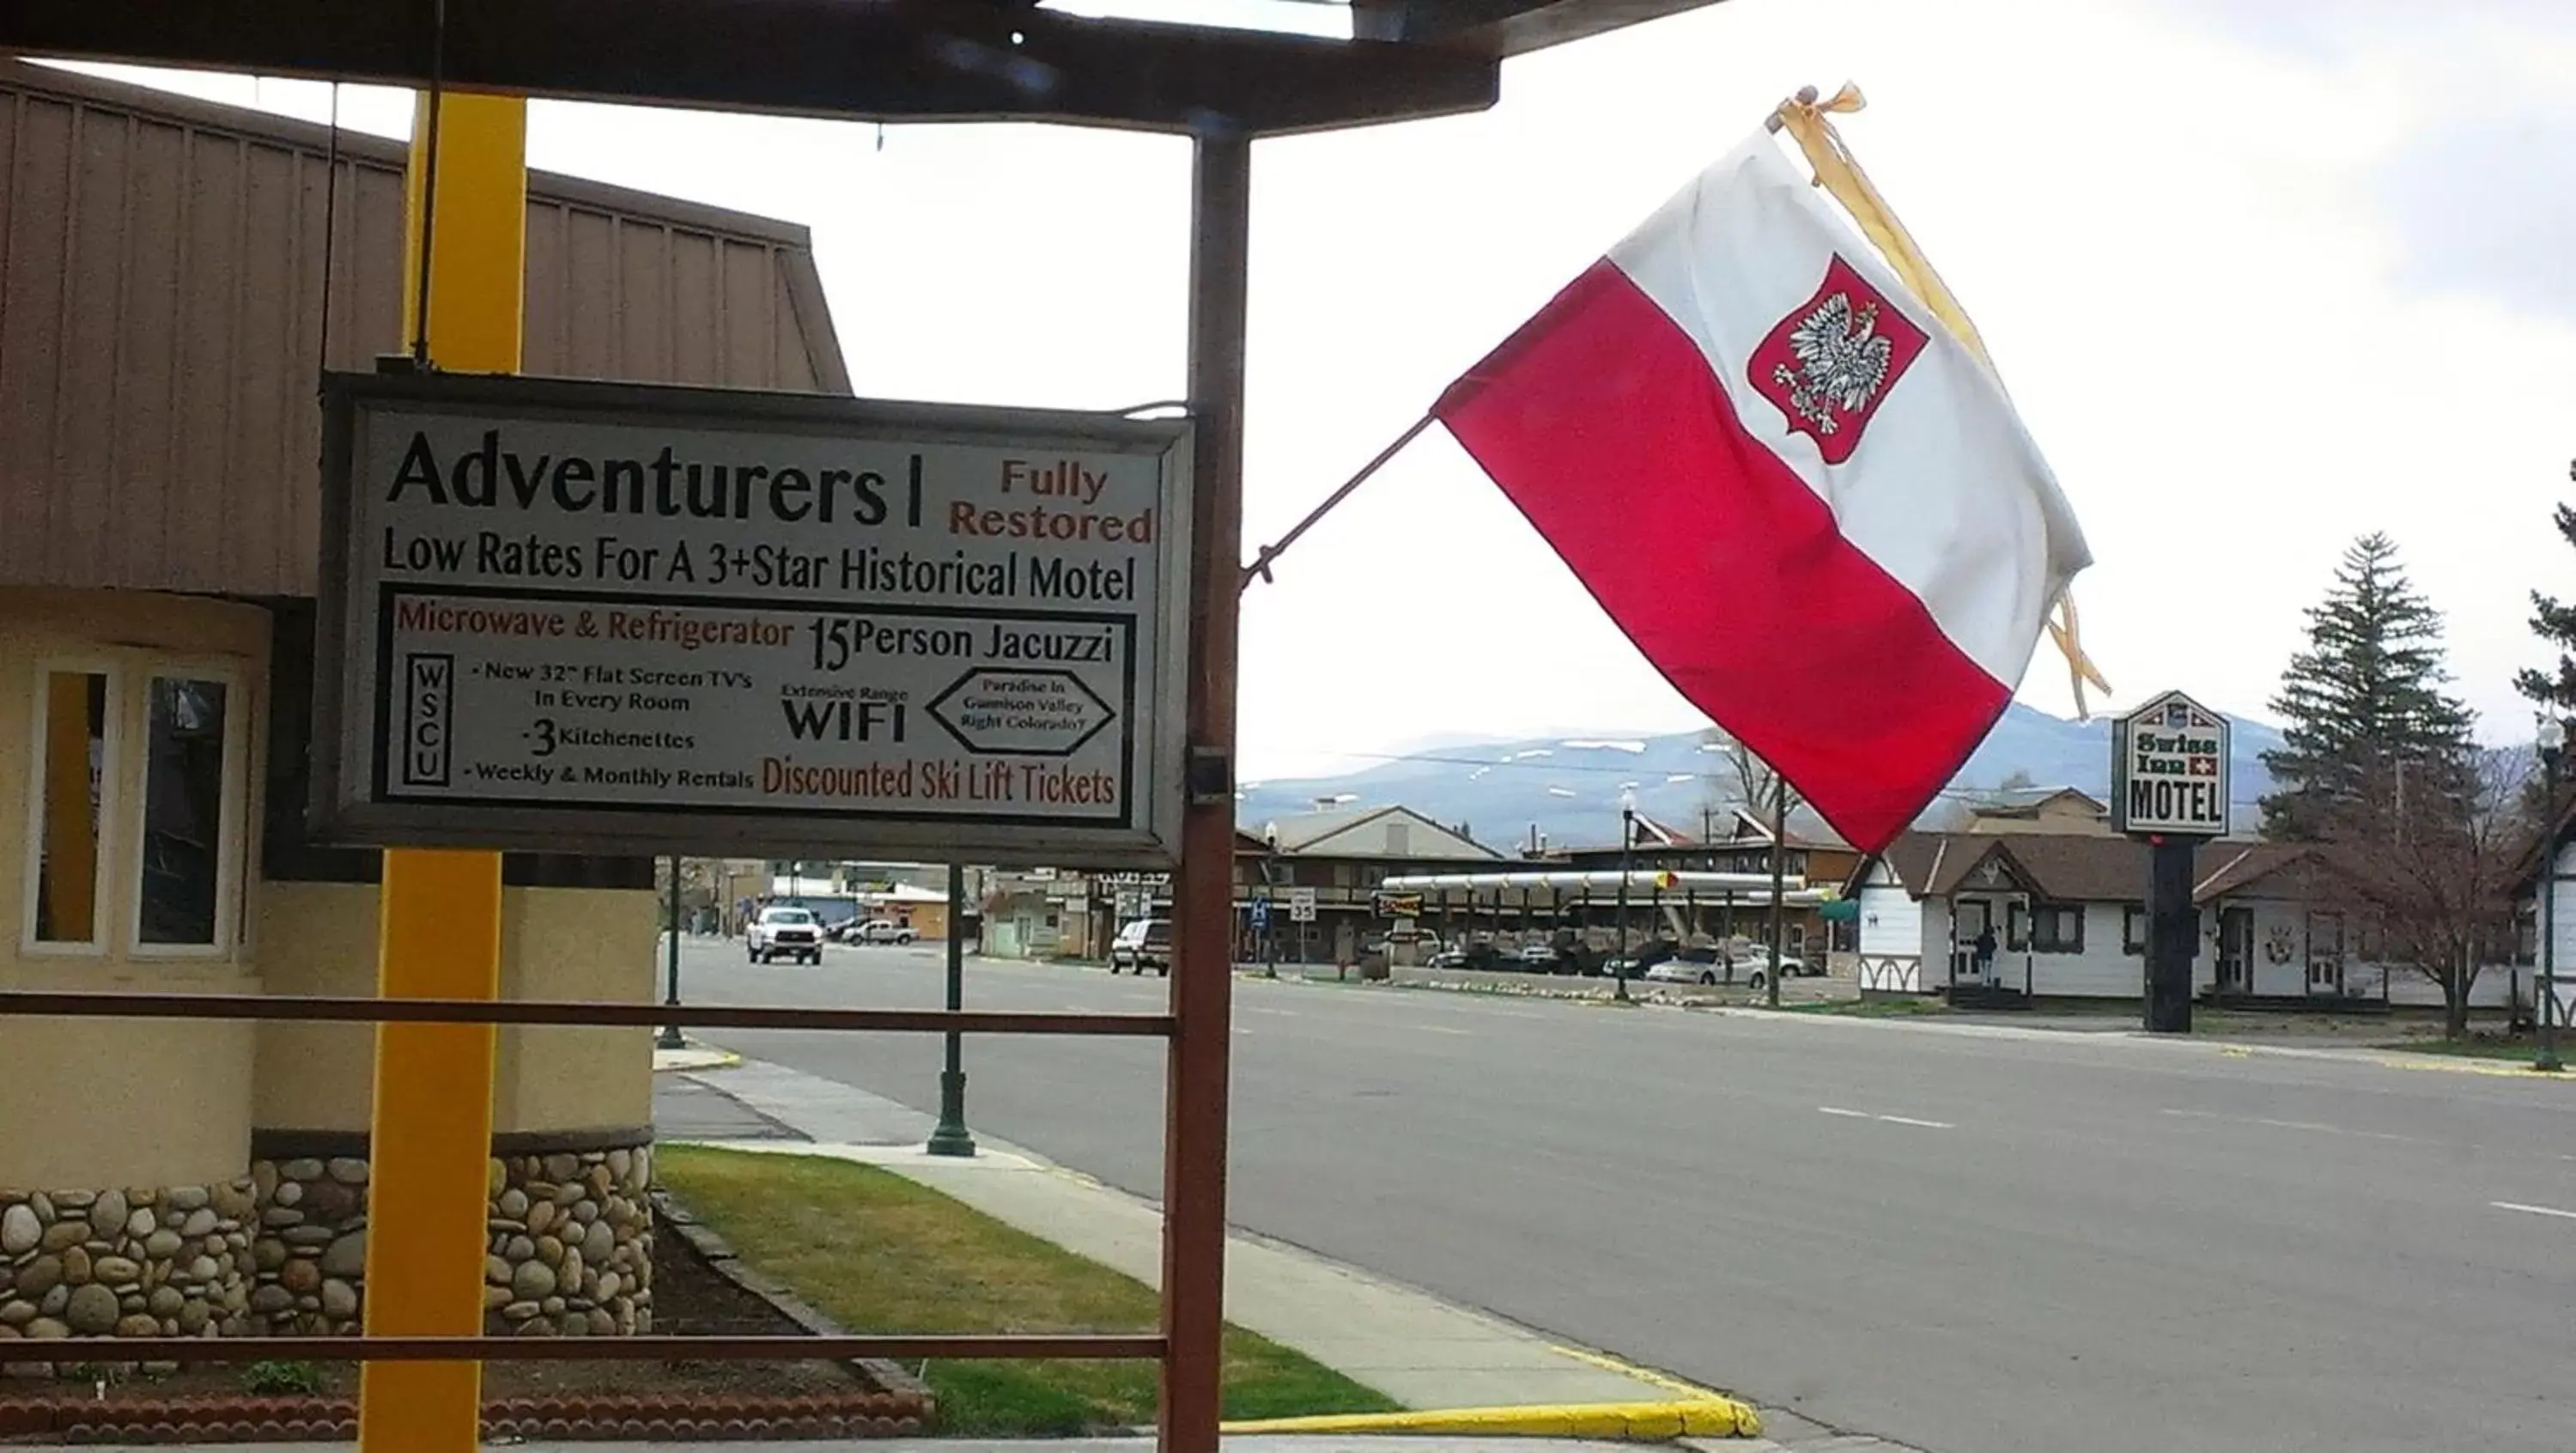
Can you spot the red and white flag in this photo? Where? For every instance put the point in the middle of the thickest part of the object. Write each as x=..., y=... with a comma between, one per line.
x=1807, y=502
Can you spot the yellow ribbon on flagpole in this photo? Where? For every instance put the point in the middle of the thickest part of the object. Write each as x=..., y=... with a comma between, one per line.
x=1803, y=116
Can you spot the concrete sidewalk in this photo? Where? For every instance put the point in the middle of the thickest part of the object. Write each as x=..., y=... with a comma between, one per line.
x=1414, y=1347
x=1235, y=1443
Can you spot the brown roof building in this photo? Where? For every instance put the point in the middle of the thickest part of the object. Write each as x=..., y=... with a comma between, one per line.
x=164, y=270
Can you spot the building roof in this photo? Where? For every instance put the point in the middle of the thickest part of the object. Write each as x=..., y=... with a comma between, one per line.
x=1807, y=828
x=2047, y=809
x=2031, y=799
x=161, y=281
x=2562, y=826
x=2236, y=867
x=1380, y=833
x=2048, y=865
x=2069, y=868
x=1737, y=828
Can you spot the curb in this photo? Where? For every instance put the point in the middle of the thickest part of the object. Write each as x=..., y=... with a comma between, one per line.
x=1645, y=1422
x=695, y=1057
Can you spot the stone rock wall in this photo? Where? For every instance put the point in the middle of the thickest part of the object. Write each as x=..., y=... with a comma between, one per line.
x=310, y=1258
x=172, y=1261
x=570, y=1248
x=571, y=1252
x=283, y=1252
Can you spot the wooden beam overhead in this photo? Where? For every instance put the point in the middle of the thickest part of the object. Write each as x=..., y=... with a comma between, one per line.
x=1503, y=27
x=881, y=60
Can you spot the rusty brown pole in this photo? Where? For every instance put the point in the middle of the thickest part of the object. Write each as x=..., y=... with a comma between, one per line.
x=1203, y=934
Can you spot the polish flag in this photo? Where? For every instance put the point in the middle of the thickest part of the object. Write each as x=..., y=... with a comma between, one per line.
x=1806, y=502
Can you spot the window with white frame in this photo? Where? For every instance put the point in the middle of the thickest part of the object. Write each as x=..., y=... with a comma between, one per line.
x=190, y=816
x=67, y=810
x=2133, y=930
x=140, y=797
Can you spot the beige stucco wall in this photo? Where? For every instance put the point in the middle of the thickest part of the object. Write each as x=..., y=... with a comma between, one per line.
x=568, y=943
x=556, y=943
x=316, y=938
x=93, y=1103
x=96, y=1103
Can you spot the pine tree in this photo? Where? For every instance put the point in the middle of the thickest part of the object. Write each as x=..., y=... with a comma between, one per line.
x=2554, y=621
x=2365, y=702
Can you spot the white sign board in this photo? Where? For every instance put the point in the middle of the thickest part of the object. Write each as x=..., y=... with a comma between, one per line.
x=1301, y=905
x=2169, y=769
x=614, y=618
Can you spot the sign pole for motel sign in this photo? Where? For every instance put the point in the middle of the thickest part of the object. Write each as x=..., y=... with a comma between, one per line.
x=2169, y=790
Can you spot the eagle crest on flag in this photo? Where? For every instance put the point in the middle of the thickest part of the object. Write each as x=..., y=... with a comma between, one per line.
x=1831, y=360
x=1841, y=361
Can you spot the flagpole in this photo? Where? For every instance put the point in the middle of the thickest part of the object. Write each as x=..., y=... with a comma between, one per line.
x=1805, y=118
x=1261, y=562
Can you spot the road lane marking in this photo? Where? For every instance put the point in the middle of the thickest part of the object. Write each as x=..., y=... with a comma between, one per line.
x=1445, y=1029
x=1885, y=1119
x=2533, y=1210
x=2315, y=1126
x=2325, y=1129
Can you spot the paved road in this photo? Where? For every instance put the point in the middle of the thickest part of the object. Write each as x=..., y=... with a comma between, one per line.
x=1974, y=1242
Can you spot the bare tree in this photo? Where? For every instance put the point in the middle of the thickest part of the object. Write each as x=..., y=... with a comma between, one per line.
x=2425, y=859
x=1741, y=778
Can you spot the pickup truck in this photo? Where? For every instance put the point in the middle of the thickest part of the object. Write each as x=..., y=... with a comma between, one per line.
x=784, y=933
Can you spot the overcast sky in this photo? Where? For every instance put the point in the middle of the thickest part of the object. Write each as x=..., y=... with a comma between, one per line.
x=2261, y=277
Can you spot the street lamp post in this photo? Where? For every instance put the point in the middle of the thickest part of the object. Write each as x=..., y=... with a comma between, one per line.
x=670, y=1037
x=2553, y=750
x=1269, y=908
x=1779, y=883
x=1627, y=841
x=950, y=1137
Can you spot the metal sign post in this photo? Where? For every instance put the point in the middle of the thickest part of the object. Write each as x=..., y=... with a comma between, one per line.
x=1202, y=974
x=2169, y=789
x=439, y=931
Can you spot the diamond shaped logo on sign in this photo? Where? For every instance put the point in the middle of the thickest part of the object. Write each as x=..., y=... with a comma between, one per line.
x=1019, y=711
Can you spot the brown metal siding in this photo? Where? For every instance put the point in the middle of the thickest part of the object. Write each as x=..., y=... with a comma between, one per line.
x=161, y=305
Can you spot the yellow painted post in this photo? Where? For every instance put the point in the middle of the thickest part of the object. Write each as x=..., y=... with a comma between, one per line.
x=440, y=936
x=70, y=842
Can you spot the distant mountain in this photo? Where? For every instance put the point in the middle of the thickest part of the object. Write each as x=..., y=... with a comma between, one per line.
x=1567, y=788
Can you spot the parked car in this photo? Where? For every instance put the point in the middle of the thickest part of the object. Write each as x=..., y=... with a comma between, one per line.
x=1543, y=958
x=1145, y=943
x=884, y=930
x=1640, y=961
x=1753, y=966
x=784, y=932
x=1679, y=970
x=1482, y=956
